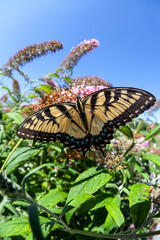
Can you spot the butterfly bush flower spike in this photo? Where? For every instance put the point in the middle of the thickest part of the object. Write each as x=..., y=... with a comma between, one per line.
x=74, y=56
x=29, y=53
x=89, y=81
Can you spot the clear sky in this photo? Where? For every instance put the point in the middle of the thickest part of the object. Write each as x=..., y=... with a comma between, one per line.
x=128, y=32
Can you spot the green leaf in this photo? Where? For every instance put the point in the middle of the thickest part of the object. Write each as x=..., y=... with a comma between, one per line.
x=22, y=154
x=110, y=222
x=101, y=200
x=16, y=117
x=153, y=158
x=89, y=182
x=52, y=75
x=34, y=221
x=10, y=93
x=152, y=133
x=4, y=87
x=67, y=79
x=126, y=130
x=17, y=227
x=74, y=204
x=139, y=204
x=53, y=197
x=115, y=213
x=141, y=171
x=44, y=87
x=36, y=170
x=56, y=146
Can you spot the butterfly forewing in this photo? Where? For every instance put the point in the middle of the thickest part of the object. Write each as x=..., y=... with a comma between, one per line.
x=118, y=105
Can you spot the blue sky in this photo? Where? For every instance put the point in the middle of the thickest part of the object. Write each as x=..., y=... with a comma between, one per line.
x=128, y=32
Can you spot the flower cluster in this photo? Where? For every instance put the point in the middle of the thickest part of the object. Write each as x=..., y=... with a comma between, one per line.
x=4, y=98
x=15, y=87
x=90, y=81
x=143, y=144
x=76, y=53
x=29, y=54
x=62, y=95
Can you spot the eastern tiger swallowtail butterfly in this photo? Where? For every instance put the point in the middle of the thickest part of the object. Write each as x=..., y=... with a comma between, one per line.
x=89, y=121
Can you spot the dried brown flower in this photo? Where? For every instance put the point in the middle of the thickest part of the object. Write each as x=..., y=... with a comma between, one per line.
x=15, y=87
x=4, y=98
x=29, y=53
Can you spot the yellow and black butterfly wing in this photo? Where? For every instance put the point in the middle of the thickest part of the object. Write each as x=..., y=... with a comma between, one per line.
x=111, y=108
x=56, y=122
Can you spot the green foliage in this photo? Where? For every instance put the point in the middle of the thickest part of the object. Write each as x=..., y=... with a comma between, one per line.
x=68, y=196
x=139, y=204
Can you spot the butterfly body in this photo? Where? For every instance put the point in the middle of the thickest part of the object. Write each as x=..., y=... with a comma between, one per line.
x=89, y=121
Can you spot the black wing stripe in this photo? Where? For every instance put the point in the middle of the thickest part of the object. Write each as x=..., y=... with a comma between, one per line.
x=64, y=110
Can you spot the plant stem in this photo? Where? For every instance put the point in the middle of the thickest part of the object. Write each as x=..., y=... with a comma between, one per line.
x=5, y=162
x=113, y=236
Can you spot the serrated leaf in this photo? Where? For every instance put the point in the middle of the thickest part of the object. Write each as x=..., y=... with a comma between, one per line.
x=139, y=204
x=152, y=133
x=126, y=130
x=153, y=158
x=53, y=197
x=22, y=154
x=16, y=117
x=89, y=182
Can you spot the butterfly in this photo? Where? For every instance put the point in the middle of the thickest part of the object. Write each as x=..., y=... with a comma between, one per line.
x=89, y=121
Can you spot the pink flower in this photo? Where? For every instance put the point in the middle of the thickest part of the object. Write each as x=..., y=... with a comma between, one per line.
x=51, y=82
x=6, y=109
x=144, y=144
x=36, y=99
